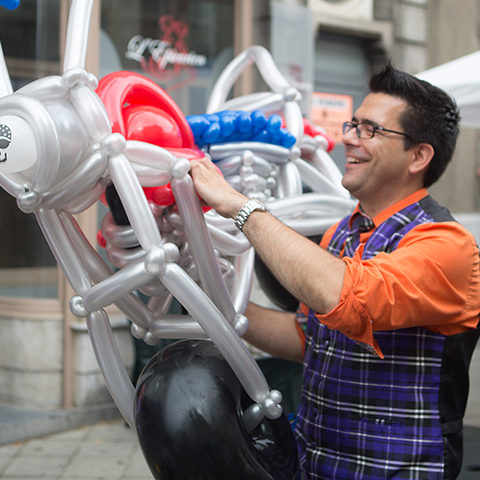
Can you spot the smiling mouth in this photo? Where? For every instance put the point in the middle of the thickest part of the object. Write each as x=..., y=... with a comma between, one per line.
x=355, y=160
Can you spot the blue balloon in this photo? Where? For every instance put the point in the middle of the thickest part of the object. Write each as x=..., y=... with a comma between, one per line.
x=262, y=136
x=227, y=124
x=239, y=126
x=10, y=4
x=214, y=118
x=198, y=124
x=211, y=133
x=274, y=123
x=244, y=122
x=288, y=139
x=259, y=120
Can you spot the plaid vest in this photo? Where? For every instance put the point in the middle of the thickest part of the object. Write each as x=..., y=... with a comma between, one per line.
x=362, y=417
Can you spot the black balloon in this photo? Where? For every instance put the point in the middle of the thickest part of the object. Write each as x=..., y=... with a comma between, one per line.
x=116, y=207
x=273, y=288
x=189, y=421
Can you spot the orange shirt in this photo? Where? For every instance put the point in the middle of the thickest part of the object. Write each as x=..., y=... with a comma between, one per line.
x=431, y=280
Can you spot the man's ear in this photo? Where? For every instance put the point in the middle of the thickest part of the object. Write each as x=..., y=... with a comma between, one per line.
x=422, y=156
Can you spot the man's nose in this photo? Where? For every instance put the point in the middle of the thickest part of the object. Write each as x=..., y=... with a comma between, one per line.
x=350, y=137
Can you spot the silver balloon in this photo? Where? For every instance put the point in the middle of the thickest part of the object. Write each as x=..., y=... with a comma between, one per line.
x=110, y=362
x=134, y=201
x=77, y=34
x=69, y=154
x=149, y=155
x=46, y=89
x=201, y=246
x=5, y=82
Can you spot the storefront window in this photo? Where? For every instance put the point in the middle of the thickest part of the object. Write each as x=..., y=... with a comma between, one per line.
x=30, y=40
x=183, y=45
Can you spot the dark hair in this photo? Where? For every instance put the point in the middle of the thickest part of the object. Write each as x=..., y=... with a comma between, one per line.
x=431, y=116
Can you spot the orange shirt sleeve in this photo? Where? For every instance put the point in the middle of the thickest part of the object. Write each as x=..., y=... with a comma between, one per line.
x=431, y=280
x=302, y=312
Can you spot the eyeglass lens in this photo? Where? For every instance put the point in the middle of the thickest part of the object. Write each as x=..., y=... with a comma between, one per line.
x=364, y=130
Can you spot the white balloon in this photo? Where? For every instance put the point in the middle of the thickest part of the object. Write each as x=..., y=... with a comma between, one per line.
x=201, y=245
x=74, y=140
x=149, y=155
x=294, y=119
x=289, y=181
x=116, y=286
x=325, y=164
x=237, y=66
x=134, y=201
x=244, y=267
x=266, y=102
x=272, y=153
x=46, y=89
x=317, y=181
x=63, y=250
x=130, y=304
x=219, y=330
x=121, y=236
x=46, y=138
x=151, y=177
x=80, y=180
x=66, y=156
x=77, y=34
x=91, y=111
x=111, y=365
x=84, y=200
x=18, y=150
x=12, y=184
x=121, y=257
x=176, y=326
x=5, y=82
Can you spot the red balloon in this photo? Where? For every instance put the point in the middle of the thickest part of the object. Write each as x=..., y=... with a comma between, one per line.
x=119, y=90
x=312, y=130
x=152, y=125
x=141, y=110
x=101, y=240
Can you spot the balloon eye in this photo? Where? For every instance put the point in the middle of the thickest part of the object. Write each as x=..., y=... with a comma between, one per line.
x=4, y=143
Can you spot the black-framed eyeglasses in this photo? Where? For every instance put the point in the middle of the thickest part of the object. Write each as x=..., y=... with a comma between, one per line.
x=367, y=131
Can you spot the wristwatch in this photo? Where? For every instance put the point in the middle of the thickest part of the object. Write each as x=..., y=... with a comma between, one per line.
x=251, y=206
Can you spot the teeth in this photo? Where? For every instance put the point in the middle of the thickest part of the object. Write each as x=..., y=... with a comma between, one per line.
x=354, y=160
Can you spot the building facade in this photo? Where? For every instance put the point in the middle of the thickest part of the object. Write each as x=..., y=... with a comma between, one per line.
x=327, y=48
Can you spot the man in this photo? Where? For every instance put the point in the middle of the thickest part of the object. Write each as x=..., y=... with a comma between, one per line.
x=389, y=305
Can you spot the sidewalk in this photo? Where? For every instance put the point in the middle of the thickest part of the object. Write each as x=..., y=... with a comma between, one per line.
x=110, y=451
x=105, y=451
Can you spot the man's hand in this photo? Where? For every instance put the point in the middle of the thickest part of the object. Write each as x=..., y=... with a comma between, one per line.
x=215, y=190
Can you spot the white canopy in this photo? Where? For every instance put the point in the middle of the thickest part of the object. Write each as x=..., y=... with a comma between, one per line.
x=461, y=79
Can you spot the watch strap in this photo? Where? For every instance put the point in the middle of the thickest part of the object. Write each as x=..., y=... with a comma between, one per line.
x=251, y=206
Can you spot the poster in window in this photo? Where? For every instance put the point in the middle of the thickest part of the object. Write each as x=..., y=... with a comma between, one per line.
x=329, y=111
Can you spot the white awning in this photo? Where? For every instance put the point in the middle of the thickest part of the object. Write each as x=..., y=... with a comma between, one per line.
x=461, y=79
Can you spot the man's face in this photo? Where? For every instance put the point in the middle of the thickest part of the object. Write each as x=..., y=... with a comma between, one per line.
x=377, y=168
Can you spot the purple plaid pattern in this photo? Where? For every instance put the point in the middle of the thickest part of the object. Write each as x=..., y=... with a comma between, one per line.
x=386, y=236
x=361, y=223
x=362, y=417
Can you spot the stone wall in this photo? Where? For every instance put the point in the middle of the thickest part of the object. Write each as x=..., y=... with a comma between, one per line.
x=31, y=363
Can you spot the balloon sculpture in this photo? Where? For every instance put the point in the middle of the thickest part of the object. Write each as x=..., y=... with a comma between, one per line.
x=66, y=144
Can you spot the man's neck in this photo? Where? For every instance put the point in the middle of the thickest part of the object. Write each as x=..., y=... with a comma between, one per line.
x=374, y=206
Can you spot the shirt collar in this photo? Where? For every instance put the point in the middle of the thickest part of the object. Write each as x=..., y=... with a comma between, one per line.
x=396, y=207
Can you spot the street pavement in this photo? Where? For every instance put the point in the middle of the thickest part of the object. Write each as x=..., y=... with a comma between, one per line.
x=105, y=451
x=110, y=451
